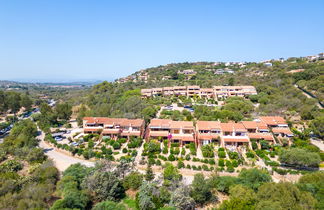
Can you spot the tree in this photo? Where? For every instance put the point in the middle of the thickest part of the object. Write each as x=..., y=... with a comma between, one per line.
x=254, y=178
x=104, y=186
x=13, y=101
x=222, y=183
x=147, y=197
x=73, y=199
x=171, y=174
x=317, y=125
x=241, y=197
x=181, y=199
x=133, y=180
x=63, y=111
x=299, y=158
x=109, y=205
x=287, y=195
x=26, y=102
x=149, y=176
x=314, y=183
x=200, y=190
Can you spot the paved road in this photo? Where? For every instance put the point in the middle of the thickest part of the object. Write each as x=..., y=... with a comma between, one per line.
x=61, y=160
x=318, y=143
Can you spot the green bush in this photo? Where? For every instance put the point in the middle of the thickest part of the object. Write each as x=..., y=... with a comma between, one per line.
x=180, y=164
x=221, y=162
x=171, y=157
x=125, y=150
x=221, y=154
x=116, y=145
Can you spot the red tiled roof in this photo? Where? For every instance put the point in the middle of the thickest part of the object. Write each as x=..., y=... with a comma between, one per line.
x=208, y=125
x=115, y=121
x=254, y=125
x=265, y=136
x=273, y=120
x=235, y=139
x=282, y=130
x=159, y=133
x=230, y=127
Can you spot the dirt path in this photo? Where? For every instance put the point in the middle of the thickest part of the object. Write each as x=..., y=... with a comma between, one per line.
x=309, y=96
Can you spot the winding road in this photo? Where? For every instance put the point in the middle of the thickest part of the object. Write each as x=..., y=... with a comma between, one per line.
x=62, y=161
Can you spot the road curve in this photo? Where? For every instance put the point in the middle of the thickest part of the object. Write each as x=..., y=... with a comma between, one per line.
x=61, y=160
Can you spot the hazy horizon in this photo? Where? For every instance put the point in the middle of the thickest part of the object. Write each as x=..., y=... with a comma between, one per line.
x=105, y=40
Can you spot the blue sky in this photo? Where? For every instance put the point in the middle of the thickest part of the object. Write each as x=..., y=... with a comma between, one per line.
x=71, y=40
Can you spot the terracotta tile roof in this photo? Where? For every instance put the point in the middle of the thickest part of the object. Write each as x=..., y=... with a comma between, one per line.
x=111, y=131
x=115, y=121
x=183, y=137
x=91, y=129
x=165, y=123
x=230, y=127
x=208, y=125
x=273, y=120
x=182, y=124
x=265, y=136
x=207, y=136
x=159, y=133
x=254, y=125
x=282, y=130
x=233, y=139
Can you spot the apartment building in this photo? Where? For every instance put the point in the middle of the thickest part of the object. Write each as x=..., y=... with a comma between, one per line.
x=278, y=126
x=114, y=127
x=216, y=92
x=234, y=134
x=182, y=132
x=258, y=130
x=208, y=132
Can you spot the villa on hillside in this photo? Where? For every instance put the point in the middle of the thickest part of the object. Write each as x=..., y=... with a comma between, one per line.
x=114, y=127
x=216, y=92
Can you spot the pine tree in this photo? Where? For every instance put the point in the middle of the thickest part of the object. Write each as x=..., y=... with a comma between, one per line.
x=149, y=176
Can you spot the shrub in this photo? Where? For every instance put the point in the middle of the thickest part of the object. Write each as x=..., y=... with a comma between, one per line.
x=165, y=150
x=205, y=167
x=125, y=150
x=151, y=161
x=188, y=166
x=233, y=155
x=171, y=157
x=180, y=164
x=221, y=149
x=158, y=162
x=235, y=163
x=230, y=169
x=208, y=151
x=221, y=154
x=254, y=145
x=221, y=162
x=187, y=157
x=211, y=162
x=250, y=155
x=116, y=145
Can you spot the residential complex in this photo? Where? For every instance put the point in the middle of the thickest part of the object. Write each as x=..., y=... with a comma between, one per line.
x=216, y=92
x=184, y=132
x=114, y=127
